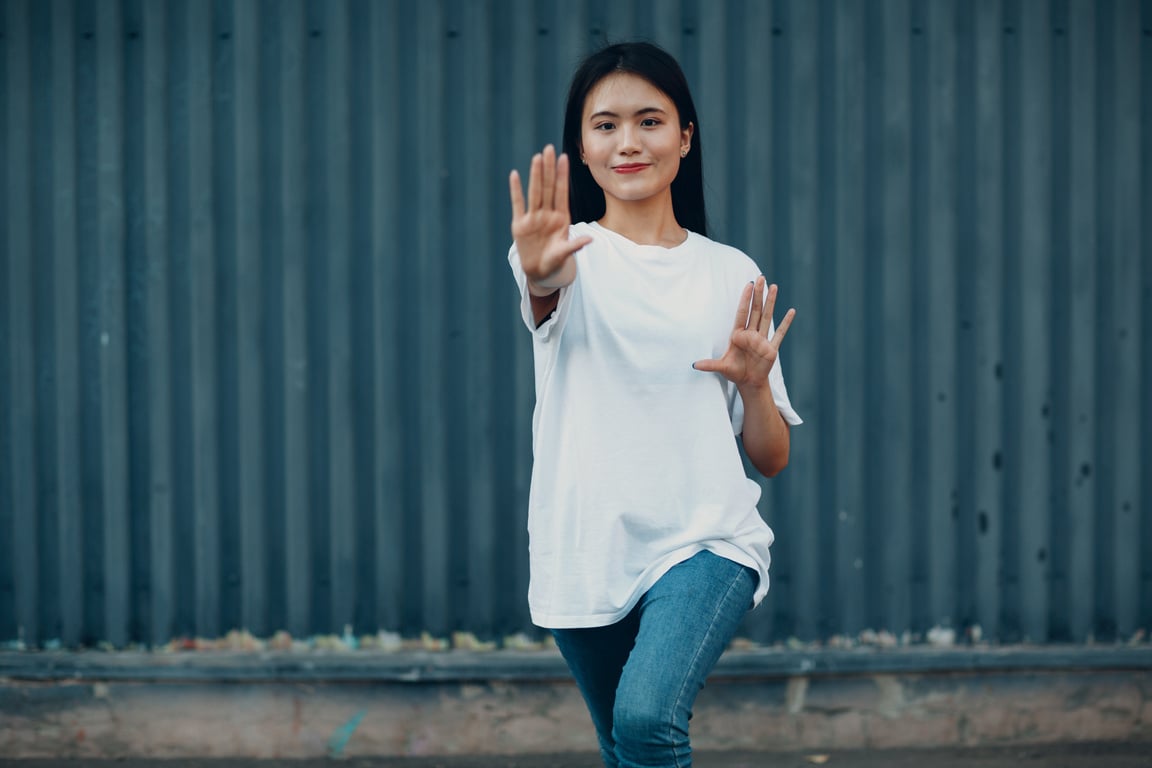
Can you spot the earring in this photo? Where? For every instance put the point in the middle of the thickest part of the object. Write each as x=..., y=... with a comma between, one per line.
x=684, y=152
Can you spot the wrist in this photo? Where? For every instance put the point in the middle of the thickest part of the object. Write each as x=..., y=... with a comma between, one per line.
x=750, y=391
x=541, y=291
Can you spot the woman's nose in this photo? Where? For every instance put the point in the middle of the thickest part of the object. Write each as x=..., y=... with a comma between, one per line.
x=629, y=140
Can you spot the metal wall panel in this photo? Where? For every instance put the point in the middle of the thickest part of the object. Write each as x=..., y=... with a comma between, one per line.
x=262, y=364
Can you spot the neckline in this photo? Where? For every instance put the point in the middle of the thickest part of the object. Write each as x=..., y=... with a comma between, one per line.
x=687, y=237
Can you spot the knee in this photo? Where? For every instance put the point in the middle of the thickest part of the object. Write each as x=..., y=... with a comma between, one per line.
x=648, y=731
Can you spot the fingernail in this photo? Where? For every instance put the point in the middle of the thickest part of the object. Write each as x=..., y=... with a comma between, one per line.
x=693, y=366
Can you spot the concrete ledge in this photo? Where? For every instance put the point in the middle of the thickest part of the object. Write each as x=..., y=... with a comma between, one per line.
x=125, y=705
x=469, y=666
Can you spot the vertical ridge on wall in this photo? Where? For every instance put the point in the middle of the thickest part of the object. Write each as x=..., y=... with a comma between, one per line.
x=113, y=339
x=934, y=564
x=224, y=212
x=359, y=607
x=471, y=287
x=426, y=105
x=262, y=364
x=1009, y=620
x=339, y=150
x=849, y=318
x=205, y=306
x=154, y=472
x=896, y=262
x=987, y=316
x=1071, y=251
x=296, y=567
x=800, y=281
x=1120, y=478
x=40, y=285
x=780, y=514
x=43, y=285
x=136, y=318
x=8, y=424
x=392, y=578
x=823, y=260
x=1033, y=297
x=317, y=51
x=248, y=576
x=1108, y=170
x=21, y=399
x=270, y=520
x=62, y=566
x=1144, y=340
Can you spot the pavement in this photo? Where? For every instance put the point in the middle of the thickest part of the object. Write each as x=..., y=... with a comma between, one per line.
x=1074, y=755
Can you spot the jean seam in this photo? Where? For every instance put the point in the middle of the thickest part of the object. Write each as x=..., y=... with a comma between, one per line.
x=695, y=659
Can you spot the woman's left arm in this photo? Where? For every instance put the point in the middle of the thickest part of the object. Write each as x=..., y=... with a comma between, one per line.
x=747, y=363
x=767, y=437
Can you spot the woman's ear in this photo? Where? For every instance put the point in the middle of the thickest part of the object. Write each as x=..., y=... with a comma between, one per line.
x=686, y=139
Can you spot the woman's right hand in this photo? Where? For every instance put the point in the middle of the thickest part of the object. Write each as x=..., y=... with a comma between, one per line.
x=540, y=226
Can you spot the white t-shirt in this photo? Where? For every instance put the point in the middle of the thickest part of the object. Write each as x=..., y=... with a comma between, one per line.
x=636, y=467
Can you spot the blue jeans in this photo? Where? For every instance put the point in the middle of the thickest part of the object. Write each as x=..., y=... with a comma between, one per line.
x=640, y=676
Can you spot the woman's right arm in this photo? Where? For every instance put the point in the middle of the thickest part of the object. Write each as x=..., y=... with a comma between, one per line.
x=540, y=228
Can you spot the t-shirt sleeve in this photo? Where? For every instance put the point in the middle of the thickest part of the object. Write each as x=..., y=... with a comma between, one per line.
x=552, y=324
x=779, y=396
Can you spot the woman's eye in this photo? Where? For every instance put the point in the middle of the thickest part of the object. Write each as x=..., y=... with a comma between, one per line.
x=605, y=126
x=649, y=122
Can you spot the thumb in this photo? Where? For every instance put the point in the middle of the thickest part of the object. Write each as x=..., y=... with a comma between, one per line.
x=579, y=242
x=570, y=247
x=708, y=366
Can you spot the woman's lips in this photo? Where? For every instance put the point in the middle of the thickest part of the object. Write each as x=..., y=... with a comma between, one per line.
x=630, y=168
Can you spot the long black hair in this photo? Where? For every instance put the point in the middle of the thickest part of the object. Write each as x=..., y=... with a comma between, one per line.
x=654, y=64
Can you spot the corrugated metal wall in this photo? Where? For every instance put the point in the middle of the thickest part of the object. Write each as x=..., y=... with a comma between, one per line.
x=262, y=365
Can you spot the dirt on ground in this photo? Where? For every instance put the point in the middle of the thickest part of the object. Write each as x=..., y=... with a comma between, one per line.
x=1077, y=755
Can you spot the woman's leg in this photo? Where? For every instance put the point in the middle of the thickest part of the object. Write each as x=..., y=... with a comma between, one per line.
x=686, y=621
x=596, y=658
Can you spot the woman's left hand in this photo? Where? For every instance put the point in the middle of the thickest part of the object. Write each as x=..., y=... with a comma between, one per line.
x=751, y=354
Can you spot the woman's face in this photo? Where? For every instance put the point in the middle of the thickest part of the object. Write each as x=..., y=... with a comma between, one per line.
x=631, y=138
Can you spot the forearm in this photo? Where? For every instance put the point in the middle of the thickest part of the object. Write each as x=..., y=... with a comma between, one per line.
x=543, y=306
x=767, y=437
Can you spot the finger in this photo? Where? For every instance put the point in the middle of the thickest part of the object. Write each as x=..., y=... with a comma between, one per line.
x=535, y=192
x=708, y=366
x=549, y=162
x=782, y=329
x=742, y=308
x=516, y=193
x=769, y=308
x=756, y=311
x=562, y=171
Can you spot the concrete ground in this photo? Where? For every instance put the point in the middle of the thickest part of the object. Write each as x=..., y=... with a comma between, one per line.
x=850, y=709
x=1107, y=755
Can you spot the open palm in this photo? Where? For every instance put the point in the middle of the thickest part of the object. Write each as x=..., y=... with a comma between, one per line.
x=540, y=222
x=751, y=352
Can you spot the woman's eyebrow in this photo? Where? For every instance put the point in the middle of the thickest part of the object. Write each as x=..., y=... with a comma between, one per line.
x=637, y=113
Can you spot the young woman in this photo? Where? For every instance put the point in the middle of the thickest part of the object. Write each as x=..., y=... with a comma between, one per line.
x=646, y=545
